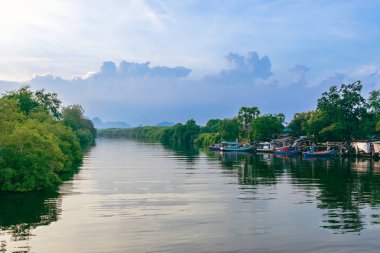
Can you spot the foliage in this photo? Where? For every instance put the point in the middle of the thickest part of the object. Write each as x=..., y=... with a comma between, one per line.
x=297, y=125
x=342, y=109
x=342, y=114
x=212, y=126
x=181, y=134
x=230, y=129
x=207, y=139
x=267, y=127
x=373, y=103
x=36, y=147
x=83, y=128
x=245, y=117
x=39, y=100
x=153, y=133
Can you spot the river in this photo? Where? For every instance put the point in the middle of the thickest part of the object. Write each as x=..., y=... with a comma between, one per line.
x=132, y=196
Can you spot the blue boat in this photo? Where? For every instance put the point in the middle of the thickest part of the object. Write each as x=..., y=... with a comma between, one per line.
x=234, y=146
x=325, y=153
x=286, y=152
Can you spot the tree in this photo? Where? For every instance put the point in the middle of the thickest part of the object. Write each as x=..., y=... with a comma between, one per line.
x=245, y=116
x=229, y=129
x=341, y=111
x=212, y=126
x=29, y=160
x=297, y=125
x=36, y=147
x=50, y=102
x=39, y=100
x=374, y=102
x=267, y=127
x=372, y=121
x=25, y=99
x=83, y=128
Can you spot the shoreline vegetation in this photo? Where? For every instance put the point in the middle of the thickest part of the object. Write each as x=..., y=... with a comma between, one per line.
x=342, y=114
x=41, y=144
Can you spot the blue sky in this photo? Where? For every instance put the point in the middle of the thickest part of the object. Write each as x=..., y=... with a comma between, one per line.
x=149, y=61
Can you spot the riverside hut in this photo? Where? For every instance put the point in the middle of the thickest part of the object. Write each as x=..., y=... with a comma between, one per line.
x=362, y=148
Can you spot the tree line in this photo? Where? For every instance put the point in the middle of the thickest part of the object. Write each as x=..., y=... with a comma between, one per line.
x=342, y=114
x=40, y=142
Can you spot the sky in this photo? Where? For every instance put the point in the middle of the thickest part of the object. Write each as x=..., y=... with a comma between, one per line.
x=144, y=62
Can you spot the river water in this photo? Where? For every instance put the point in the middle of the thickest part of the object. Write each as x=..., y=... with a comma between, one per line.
x=132, y=196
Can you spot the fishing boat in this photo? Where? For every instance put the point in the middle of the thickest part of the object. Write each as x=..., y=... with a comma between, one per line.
x=214, y=147
x=234, y=146
x=267, y=147
x=286, y=151
x=325, y=153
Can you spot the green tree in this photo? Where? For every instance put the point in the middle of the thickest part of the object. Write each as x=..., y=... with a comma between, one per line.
x=50, y=102
x=73, y=117
x=267, y=127
x=230, y=129
x=36, y=148
x=297, y=125
x=39, y=100
x=342, y=110
x=29, y=160
x=212, y=126
x=374, y=102
x=245, y=116
x=25, y=98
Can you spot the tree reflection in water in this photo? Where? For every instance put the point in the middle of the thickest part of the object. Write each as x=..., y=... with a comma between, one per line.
x=348, y=190
x=21, y=213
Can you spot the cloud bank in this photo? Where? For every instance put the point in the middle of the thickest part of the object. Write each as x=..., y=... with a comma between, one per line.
x=243, y=69
x=140, y=93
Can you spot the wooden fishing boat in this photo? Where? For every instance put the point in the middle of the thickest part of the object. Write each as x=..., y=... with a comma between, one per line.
x=235, y=147
x=325, y=153
x=267, y=147
x=214, y=147
x=286, y=152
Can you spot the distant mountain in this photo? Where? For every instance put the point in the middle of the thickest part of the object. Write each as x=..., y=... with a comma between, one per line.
x=165, y=123
x=98, y=123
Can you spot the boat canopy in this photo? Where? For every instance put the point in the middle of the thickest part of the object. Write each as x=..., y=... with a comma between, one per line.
x=230, y=142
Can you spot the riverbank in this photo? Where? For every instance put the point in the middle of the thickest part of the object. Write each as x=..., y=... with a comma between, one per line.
x=342, y=115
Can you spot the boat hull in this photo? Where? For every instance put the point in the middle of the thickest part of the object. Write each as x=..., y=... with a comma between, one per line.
x=236, y=149
x=265, y=150
x=286, y=152
x=319, y=154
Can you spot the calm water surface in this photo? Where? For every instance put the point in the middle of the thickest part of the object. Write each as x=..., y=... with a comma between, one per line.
x=133, y=196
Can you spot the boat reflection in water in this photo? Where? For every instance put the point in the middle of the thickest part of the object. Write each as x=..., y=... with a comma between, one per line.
x=345, y=190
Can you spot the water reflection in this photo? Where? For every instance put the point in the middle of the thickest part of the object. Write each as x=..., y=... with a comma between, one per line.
x=142, y=197
x=21, y=213
x=189, y=153
x=347, y=190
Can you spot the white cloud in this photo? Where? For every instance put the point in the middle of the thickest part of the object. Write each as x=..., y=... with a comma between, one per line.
x=298, y=73
x=366, y=71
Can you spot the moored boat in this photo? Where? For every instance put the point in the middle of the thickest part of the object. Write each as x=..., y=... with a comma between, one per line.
x=267, y=147
x=235, y=147
x=214, y=147
x=325, y=153
x=286, y=152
